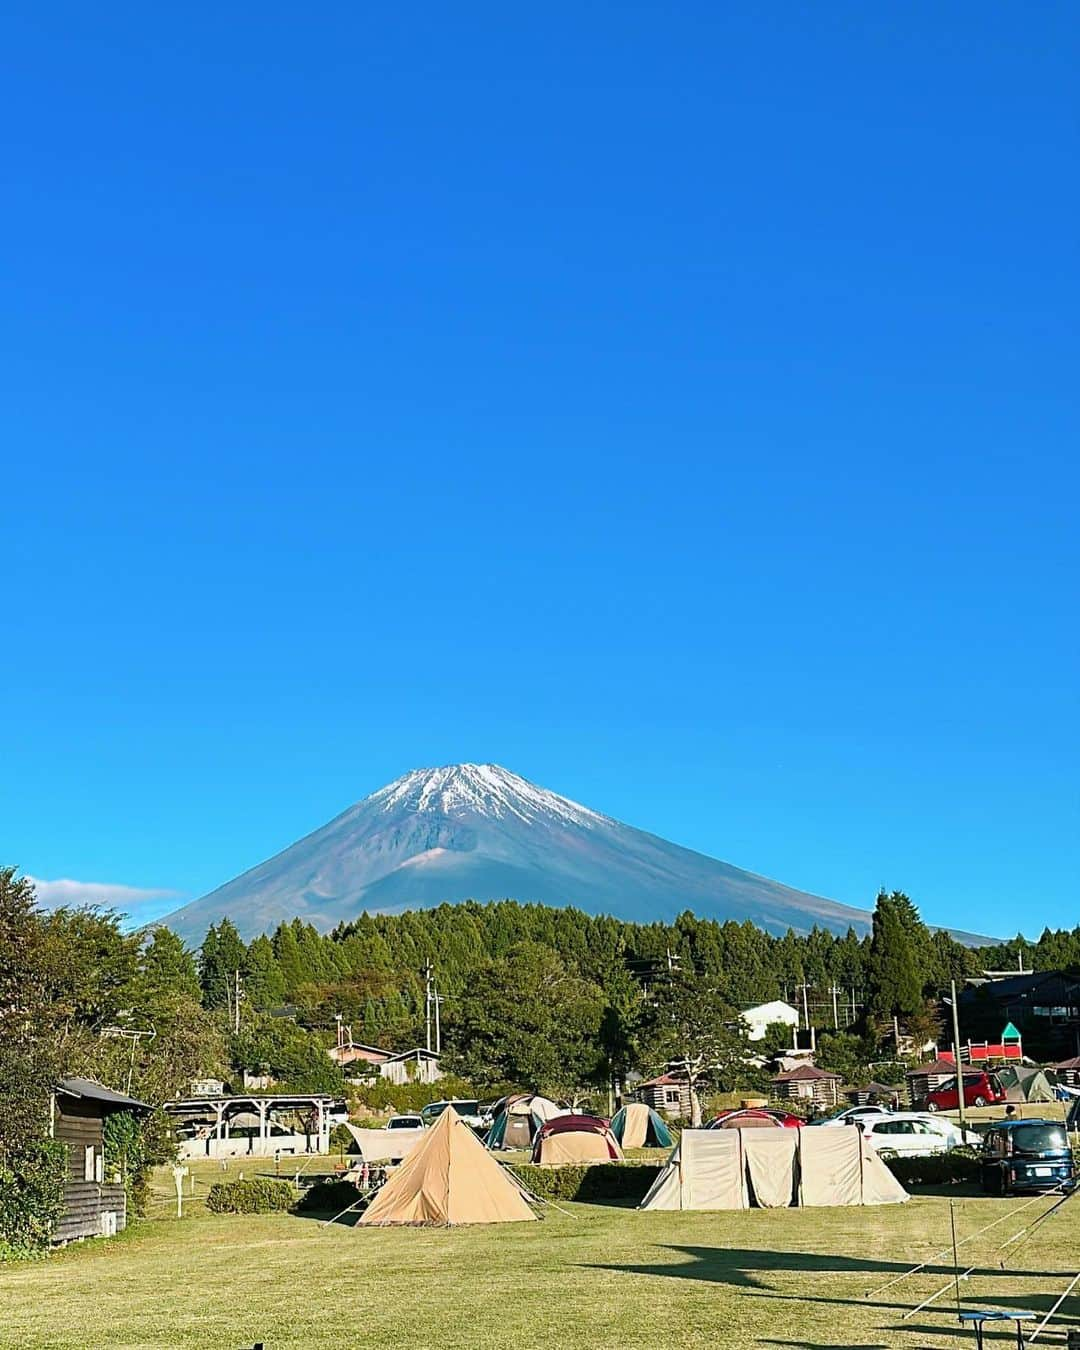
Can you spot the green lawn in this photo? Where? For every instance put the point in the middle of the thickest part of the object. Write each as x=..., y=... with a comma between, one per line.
x=598, y=1277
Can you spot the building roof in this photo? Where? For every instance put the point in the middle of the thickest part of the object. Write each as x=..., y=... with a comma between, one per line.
x=1073, y=1063
x=664, y=1080
x=939, y=1065
x=805, y=1073
x=416, y=1050
x=88, y=1090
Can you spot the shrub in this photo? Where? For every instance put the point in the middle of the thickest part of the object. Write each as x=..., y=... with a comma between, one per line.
x=31, y=1197
x=939, y=1169
x=595, y=1181
x=328, y=1197
x=382, y=1095
x=256, y=1195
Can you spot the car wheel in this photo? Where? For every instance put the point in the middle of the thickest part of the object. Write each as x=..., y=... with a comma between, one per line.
x=979, y=1101
x=887, y=1154
x=931, y=1106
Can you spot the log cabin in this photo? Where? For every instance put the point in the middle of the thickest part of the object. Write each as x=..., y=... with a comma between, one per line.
x=95, y=1204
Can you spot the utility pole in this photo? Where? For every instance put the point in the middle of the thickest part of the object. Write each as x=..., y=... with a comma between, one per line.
x=427, y=1004
x=438, y=1024
x=835, y=1010
x=956, y=1055
x=237, y=992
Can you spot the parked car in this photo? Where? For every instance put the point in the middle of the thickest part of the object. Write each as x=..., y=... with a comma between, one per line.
x=749, y=1117
x=467, y=1108
x=853, y=1115
x=1026, y=1155
x=980, y=1089
x=908, y=1135
x=405, y=1123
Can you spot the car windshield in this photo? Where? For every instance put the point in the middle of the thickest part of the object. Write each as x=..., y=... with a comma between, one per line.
x=1039, y=1138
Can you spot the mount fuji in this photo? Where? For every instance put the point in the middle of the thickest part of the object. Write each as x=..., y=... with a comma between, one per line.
x=476, y=831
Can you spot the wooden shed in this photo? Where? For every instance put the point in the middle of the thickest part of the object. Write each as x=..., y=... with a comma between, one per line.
x=808, y=1083
x=669, y=1094
x=927, y=1078
x=95, y=1204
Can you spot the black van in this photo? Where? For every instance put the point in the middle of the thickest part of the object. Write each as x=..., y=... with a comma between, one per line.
x=1026, y=1155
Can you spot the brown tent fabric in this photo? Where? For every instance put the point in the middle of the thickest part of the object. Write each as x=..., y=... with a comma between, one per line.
x=577, y=1146
x=636, y=1125
x=450, y=1178
x=771, y=1166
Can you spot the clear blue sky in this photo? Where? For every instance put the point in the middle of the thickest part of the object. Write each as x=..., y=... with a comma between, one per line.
x=677, y=405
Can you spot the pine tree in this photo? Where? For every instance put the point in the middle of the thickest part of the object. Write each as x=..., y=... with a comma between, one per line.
x=893, y=976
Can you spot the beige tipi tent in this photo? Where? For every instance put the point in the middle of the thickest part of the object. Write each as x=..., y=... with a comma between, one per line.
x=449, y=1178
x=768, y=1169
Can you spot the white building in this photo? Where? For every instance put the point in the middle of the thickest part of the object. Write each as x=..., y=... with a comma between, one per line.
x=761, y=1017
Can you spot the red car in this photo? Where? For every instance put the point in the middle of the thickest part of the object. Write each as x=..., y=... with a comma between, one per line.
x=749, y=1116
x=980, y=1089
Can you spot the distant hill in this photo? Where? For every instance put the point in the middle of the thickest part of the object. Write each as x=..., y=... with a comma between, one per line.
x=477, y=831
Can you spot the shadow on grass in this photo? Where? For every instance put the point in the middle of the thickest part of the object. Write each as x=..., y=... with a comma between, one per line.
x=741, y=1267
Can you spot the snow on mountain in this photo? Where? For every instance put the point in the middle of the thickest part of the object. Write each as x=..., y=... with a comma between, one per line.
x=477, y=831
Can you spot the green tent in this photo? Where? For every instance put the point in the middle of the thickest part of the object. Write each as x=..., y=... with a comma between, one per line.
x=1025, y=1084
x=636, y=1125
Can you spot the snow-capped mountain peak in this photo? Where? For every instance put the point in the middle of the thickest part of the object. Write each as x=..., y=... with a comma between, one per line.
x=488, y=790
x=479, y=832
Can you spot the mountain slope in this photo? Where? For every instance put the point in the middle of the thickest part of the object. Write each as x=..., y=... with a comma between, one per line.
x=476, y=831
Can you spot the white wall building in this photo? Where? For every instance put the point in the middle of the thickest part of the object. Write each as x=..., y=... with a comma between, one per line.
x=757, y=1019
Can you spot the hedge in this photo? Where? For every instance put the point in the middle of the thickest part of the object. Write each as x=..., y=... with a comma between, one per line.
x=328, y=1197
x=257, y=1195
x=937, y=1169
x=31, y=1197
x=595, y=1181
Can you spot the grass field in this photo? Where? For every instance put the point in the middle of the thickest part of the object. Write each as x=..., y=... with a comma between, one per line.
x=596, y=1276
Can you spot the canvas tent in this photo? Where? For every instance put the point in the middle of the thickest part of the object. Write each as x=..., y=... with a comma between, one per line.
x=383, y=1145
x=1023, y=1083
x=636, y=1125
x=518, y=1118
x=449, y=1178
x=575, y=1139
x=770, y=1169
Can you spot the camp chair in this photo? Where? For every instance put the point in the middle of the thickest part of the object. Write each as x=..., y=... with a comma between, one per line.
x=978, y=1317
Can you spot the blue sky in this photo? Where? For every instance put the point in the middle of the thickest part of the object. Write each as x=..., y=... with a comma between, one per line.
x=677, y=407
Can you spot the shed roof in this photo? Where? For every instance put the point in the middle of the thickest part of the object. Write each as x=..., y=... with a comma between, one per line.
x=805, y=1072
x=87, y=1089
x=938, y=1065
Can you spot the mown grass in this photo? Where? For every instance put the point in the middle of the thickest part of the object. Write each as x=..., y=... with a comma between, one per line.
x=596, y=1275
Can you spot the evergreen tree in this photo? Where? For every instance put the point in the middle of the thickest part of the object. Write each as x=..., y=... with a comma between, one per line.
x=894, y=980
x=169, y=968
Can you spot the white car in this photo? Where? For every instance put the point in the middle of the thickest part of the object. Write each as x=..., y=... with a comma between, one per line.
x=405, y=1123
x=911, y=1134
x=854, y=1115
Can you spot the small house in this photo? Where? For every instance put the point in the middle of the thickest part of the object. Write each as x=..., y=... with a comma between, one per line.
x=417, y=1065
x=1068, y=1071
x=758, y=1019
x=669, y=1094
x=807, y=1083
x=927, y=1078
x=873, y=1093
x=95, y=1203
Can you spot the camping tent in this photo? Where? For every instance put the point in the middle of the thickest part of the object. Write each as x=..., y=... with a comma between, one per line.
x=449, y=1178
x=1023, y=1083
x=383, y=1145
x=518, y=1118
x=574, y=1139
x=636, y=1125
x=768, y=1169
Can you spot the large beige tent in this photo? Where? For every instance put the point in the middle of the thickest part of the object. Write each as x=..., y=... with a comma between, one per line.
x=770, y=1169
x=449, y=1178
